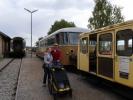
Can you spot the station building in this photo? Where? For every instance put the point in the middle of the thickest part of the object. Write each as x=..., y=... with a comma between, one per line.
x=4, y=45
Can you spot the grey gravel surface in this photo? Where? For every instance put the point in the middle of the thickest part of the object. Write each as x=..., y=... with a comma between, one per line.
x=84, y=90
x=30, y=85
x=8, y=80
x=4, y=62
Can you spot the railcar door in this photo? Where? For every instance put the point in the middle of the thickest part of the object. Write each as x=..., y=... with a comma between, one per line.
x=92, y=53
x=105, y=55
x=124, y=56
x=83, y=54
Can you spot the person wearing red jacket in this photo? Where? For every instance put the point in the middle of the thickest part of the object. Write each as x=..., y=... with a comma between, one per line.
x=56, y=53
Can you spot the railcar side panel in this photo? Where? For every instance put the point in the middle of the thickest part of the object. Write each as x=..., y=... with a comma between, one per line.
x=68, y=54
x=113, y=56
x=83, y=54
x=124, y=55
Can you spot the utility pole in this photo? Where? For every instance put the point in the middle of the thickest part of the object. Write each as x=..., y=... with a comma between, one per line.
x=31, y=12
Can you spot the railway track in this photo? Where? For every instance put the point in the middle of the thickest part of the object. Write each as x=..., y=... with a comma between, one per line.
x=9, y=76
x=2, y=68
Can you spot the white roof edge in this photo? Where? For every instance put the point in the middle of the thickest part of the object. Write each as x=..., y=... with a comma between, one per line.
x=69, y=29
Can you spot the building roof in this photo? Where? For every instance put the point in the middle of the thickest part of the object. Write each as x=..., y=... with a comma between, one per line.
x=4, y=35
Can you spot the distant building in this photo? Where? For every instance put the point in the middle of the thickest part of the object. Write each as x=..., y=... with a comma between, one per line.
x=4, y=44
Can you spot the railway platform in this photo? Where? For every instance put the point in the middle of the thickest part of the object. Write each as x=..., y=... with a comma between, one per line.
x=30, y=86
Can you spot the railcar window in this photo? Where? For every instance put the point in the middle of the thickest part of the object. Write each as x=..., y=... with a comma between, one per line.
x=130, y=43
x=57, y=38
x=91, y=42
x=84, y=45
x=46, y=42
x=73, y=38
x=61, y=40
x=51, y=40
x=41, y=43
x=105, y=44
x=65, y=38
x=124, y=42
x=120, y=45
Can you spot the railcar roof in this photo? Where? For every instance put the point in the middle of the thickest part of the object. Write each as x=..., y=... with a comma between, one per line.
x=69, y=29
x=18, y=38
x=110, y=27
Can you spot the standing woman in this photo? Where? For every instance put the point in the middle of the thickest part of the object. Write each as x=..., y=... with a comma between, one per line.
x=47, y=64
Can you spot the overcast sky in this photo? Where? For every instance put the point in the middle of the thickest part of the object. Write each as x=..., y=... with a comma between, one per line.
x=15, y=21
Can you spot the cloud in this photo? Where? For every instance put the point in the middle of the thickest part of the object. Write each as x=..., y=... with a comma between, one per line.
x=126, y=5
x=15, y=21
x=55, y=4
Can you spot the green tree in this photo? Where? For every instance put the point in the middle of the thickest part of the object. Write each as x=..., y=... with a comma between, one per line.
x=104, y=14
x=37, y=44
x=60, y=24
x=40, y=38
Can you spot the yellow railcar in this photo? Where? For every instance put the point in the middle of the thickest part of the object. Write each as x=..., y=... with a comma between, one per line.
x=67, y=38
x=108, y=53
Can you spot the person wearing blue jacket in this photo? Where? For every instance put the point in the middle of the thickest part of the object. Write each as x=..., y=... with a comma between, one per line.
x=47, y=64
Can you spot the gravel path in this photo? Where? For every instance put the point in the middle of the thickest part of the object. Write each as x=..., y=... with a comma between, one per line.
x=4, y=62
x=8, y=80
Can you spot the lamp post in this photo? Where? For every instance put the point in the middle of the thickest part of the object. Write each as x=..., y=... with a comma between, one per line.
x=31, y=12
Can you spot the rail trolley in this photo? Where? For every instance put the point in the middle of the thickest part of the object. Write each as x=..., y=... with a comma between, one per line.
x=67, y=38
x=108, y=53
